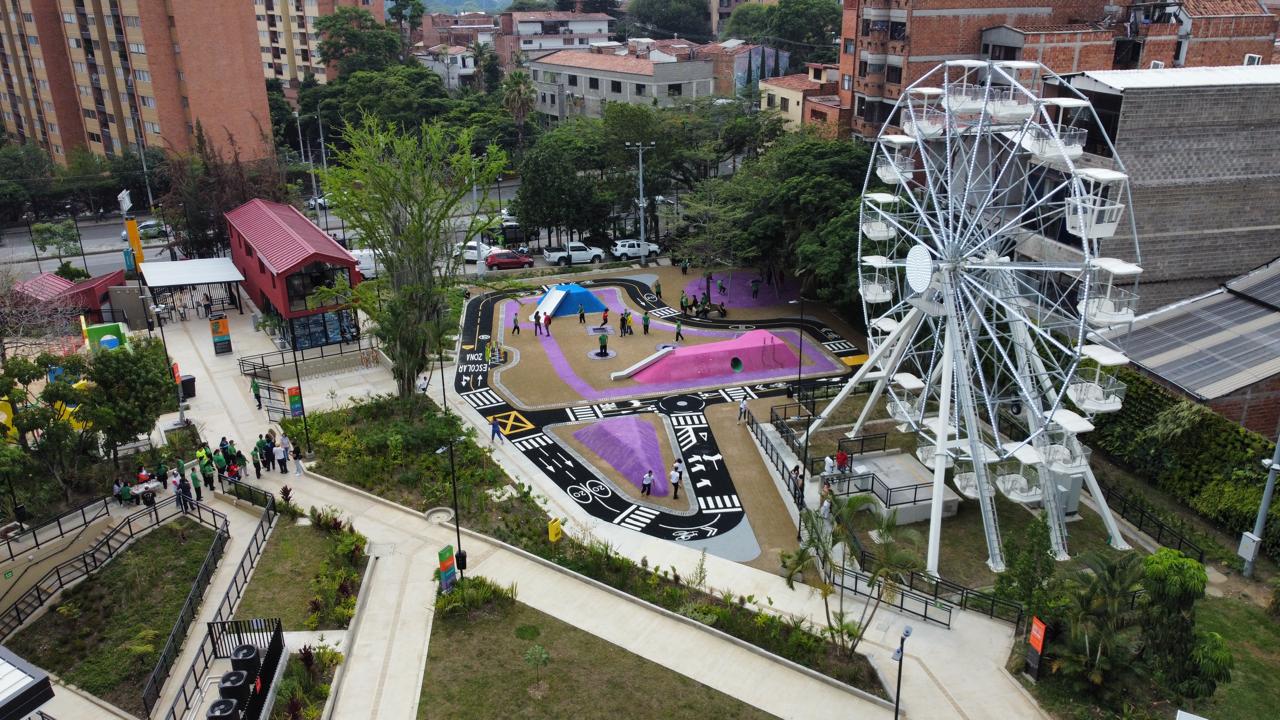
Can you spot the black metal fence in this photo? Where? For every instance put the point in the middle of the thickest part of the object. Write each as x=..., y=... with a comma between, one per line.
x=864, y=444
x=774, y=455
x=1137, y=511
x=67, y=522
x=941, y=589
x=781, y=417
x=260, y=365
x=65, y=573
x=188, y=693
x=809, y=392
x=902, y=597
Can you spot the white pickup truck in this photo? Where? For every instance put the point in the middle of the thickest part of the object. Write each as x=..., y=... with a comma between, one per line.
x=574, y=253
x=632, y=249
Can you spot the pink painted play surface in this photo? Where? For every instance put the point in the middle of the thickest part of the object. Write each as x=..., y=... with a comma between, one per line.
x=753, y=352
x=630, y=445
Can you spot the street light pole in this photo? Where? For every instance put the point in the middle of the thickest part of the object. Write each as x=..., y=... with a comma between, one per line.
x=155, y=312
x=640, y=200
x=1260, y=524
x=79, y=238
x=900, y=655
x=460, y=555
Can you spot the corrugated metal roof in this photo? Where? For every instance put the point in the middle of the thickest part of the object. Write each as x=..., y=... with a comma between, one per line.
x=1186, y=77
x=45, y=286
x=282, y=237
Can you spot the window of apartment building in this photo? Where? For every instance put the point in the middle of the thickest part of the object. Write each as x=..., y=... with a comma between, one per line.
x=542, y=98
x=675, y=90
x=26, y=17
x=849, y=46
x=771, y=100
x=115, y=46
x=57, y=149
x=90, y=114
x=53, y=127
x=95, y=137
x=784, y=104
x=111, y=118
x=862, y=68
x=582, y=41
x=73, y=42
x=573, y=80
x=615, y=86
x=893, y=74
x=552, y=96
x=33, y=40
x=533, y=74
x=262, y=36
x=132, y=21
x=78, y=67
x=44, y=84
x=69, y=18
x=48, y=106
x=846, y=82
x=84, y=90
x=639, y=89
x=153, y=128
x=593, y=83
x=143, y=75
x=897, y=31
x=1252, y=59
x=147, y=101
x=138, y=48
x=526, y=42
x=37, y=62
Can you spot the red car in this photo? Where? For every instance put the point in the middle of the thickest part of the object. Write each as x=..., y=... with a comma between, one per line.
x=506, y=259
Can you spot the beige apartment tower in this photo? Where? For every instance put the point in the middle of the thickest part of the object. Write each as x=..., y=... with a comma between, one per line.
x=288, y=39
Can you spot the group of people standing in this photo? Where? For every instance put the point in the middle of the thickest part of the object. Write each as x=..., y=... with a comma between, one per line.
x=676, y=477
x=626, y=326
x=188, y=478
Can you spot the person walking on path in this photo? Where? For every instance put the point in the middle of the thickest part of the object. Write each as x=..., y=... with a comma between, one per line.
x=495, y=430
x=675, y=482
x=515, y=324
x=755, y=288
x=657, y=288
x=622, y=323
x=257, y=392
x=297, y=462
x=194, y=483
x=282, y=461
x=424, y=381
x=644, y=321
x=679, y=334
x=684, y=266
x=720, y=286
x=537, y=323
x=582, y=316
x=257, y=463
x=546, y=324
x=288, y=446
x=684, y=303
x=488, y=355
x=742, y=410
x=646, y=483
x=604, y=318
x=184, y=496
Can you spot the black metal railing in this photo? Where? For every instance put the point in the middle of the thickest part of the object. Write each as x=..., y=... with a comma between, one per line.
x=809, y=392
x=267, y=635
x=902, y=597
x=189, y=693
x=261, y=363
x=966, y=598
x=241, y=490
x=775, y=457
x=905, y=495
x=47, y=532
x=781, y=417
x=69, y=571
x=1137, y=511
x=864, y=444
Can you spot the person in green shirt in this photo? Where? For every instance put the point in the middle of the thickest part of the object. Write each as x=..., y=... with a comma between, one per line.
x=219, y=461
x=644, y=320
x=162, y=471
x=257, y=393
x=679, y=334
x=126, y=493
x=231, y=450
x=195, y=484
x=657, y=288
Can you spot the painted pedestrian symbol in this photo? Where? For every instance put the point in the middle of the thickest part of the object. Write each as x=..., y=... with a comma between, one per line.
x=511, y=422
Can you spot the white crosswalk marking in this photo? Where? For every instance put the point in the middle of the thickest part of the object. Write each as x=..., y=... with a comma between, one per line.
x=665, y=312
x=685, y=419
x=734, y=394
x=532, y=442
x=636, y=517
x=719, y=503
x=482, y=398
x=590, y=412
x=840, y=346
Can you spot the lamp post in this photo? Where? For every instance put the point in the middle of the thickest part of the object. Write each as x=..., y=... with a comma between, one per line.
x=31, y=235
x=1260, y=524
x=799, y=371
x=639, y=148
x=79, y=238
x=899, y=655
x=315, y=193
x=155, y=312
x=460, y=556
x=306, y=428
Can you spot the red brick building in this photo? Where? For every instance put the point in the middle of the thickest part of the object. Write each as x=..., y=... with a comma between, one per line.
x=886, y=45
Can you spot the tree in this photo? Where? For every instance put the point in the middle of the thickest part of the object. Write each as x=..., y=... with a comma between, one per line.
x=282, y=126
x=87, y=180
x=354, y=40
x=807, y=29
x=518, y=97
x=1101, y=618
x=61, y=237
x=407, y=15
x=587, y=6
x=487, y=62
x=26, y=181
x=1190, y=662
x=127, y=174
x=400, y=192
x=667, y=18
x=403, y=95
x=897, y=556
x=747, y=22
x=27, y=324
x=43, y=404
x=531, y=6
x=1028, y=576
x=130, y=390
x=571, y=191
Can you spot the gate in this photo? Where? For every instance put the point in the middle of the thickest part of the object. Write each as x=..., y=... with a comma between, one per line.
x=275, y=401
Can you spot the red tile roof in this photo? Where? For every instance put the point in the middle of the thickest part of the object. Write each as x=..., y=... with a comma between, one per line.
x=1203, y=8
x=88, y=293
x=549, y=16
x=45, y=286
x=800, y=81
x=598, y=61
x=282, y=237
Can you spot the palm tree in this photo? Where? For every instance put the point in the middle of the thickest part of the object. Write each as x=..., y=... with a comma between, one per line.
x=517, y=98
x=484, y=58
x=899, y=556
x=1101, y=616
x=811, y=564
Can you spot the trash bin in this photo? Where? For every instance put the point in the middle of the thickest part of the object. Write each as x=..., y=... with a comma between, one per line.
x=188, y=386
x=234, y=686
x=245, y=658
x=221, y=709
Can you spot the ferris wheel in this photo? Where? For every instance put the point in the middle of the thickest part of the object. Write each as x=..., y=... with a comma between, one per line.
x=988, y=257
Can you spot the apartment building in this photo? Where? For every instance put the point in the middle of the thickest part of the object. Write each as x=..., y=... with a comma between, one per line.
x=534, y=34
x=288, y=39
x=738, y=63
x=888, y=44
x=787, y=94
x=455, y=64
x=39, y=101
x=718, y=11
x=465, y=29
x=572, y=83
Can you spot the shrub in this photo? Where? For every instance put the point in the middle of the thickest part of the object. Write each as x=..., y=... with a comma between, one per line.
x=472, y=594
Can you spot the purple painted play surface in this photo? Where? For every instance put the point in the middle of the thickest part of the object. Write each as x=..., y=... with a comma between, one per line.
x=737, y=285
x=815, y=361
x=630, y=446
x=757, y=351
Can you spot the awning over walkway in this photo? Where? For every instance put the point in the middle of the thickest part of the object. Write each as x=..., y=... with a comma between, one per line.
x=190, y=272
x=23, y=687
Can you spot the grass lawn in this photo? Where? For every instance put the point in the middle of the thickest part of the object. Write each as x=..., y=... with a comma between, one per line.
x=108, y=631
x=476, y=669
x=281, y=584
x=1254, y=639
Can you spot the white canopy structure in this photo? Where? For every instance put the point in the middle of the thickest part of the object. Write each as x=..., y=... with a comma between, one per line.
x=205, y=271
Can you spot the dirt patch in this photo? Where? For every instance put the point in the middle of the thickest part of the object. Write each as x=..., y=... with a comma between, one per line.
x=627, y=486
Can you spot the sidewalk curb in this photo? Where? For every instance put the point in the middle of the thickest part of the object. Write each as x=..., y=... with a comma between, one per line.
x=720, y=634
x=349, y=641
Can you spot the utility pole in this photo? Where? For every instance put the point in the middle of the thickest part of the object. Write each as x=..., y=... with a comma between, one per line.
x=302, y=153
x=1260, y=524
x=640, y=203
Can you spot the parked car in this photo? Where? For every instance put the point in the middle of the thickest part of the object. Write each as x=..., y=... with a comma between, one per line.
x=366, y=263
x=147, y=230
x=574, y=253
x=318, y=202
x=632, y=249
x=507, y=259
x=473, y=251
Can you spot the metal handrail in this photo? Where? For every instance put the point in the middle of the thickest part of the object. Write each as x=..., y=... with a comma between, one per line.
x=966, y=598
x=65, y=523
x=1134, y=509
x=249, y=364
x=904, y=599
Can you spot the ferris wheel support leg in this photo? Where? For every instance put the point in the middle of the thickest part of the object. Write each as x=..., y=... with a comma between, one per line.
x=896, y=343
x=941, y=437
x=1116, y=540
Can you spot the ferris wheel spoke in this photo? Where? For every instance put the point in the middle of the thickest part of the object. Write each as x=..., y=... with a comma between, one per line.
x=1017, y=313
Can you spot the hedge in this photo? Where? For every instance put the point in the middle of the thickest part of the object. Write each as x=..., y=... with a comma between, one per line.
x=1201, y=458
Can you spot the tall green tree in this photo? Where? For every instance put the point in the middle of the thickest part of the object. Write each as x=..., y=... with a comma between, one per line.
x=1190, y=662
x=1102, y=623
x=406, y=15
x=588, y=6
x=572, y=190
x=26, y=181
x=43, y=414
x=400, y=192
x=667, y=18
x=749, y=21
x=808, y=29
x=61, y=238
x=487, y=64
x=353, y=39
x=518, y=97
x=130, y=390
x=86, y=180
x=127, y=173
x=1028, y=578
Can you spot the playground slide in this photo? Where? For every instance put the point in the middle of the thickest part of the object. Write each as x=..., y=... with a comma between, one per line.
x=549, y=303
x=624, y=374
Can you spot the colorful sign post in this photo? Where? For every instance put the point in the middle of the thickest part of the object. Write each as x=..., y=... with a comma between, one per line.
x=135, y=240
x=295, y=401
x=448, y=571
x=221, y=331
x=554, y=530
x=1035, y=648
